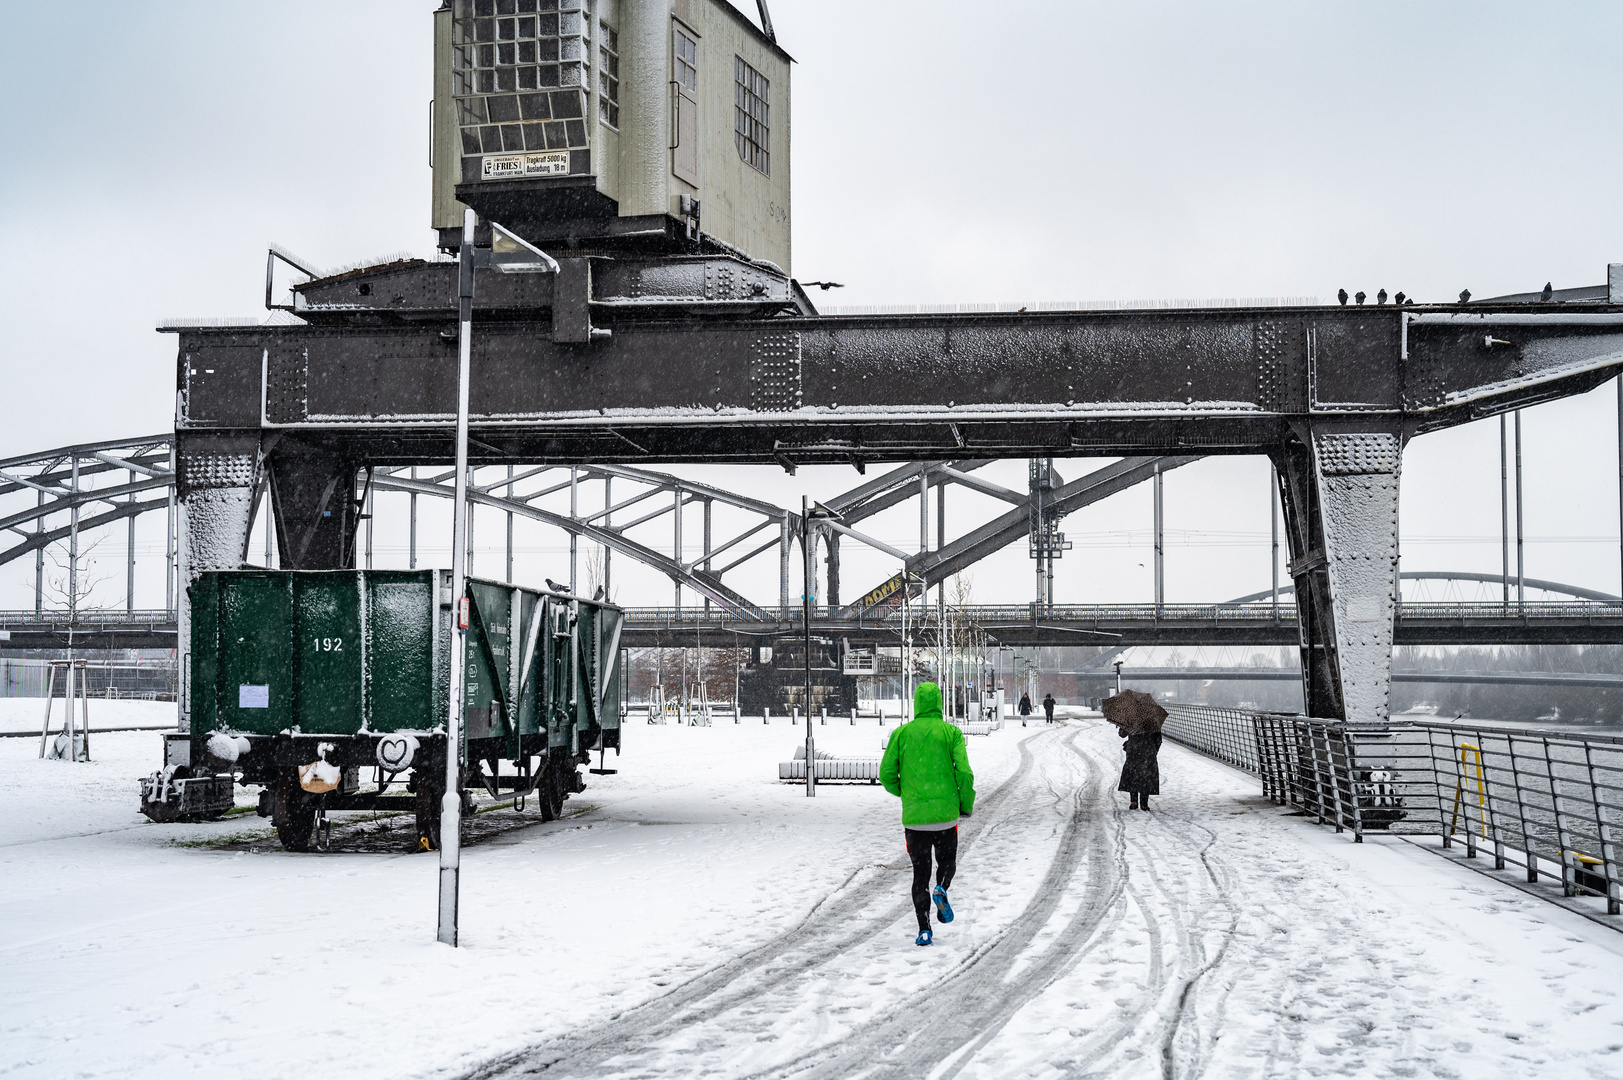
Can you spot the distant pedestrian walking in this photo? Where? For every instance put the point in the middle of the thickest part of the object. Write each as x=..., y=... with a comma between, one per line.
x=1138, y=718
x=1048, y=706
x=926, y=764
x=1025, y=708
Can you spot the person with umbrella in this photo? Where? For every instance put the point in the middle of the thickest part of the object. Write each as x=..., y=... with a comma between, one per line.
x=1025, y=708
x=1138, y=718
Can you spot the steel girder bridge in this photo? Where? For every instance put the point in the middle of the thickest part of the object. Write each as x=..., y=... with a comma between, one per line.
x=65, y=491
x=624, y=360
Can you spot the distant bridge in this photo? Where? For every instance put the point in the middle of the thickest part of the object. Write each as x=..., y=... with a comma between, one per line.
x=1293, y=675
x=1569, y=622
x=1119, y=626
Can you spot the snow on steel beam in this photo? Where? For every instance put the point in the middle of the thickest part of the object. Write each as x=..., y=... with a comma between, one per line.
x=859, y=389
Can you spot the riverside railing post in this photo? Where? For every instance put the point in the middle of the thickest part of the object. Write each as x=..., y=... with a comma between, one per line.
x=1608, y=855
x=1521, y=811
x=1350, y=743
x=451, y=804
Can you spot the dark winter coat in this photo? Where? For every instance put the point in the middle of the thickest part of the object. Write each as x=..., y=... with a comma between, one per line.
x=1025, y=705
x=1048, y=706
x=1140, y=773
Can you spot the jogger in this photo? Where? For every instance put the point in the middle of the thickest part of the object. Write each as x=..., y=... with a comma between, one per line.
x=926, y=764
x=920, y=844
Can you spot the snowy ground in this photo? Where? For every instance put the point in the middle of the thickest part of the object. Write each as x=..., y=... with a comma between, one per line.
x=27, y=714
x=700, y=919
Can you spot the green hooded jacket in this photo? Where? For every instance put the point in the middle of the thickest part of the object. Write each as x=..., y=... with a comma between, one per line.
x=926, y=764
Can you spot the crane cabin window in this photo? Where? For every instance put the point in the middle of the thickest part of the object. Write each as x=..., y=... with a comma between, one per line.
x=520, y=80
x=752, y=116
x=608, y=75
x=687, y=62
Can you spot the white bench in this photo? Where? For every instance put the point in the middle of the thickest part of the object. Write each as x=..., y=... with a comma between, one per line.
x=830, y=767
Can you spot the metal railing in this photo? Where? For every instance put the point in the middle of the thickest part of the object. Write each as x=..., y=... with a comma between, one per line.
x=87, y=619
x=1550, y=801
x=980, y=614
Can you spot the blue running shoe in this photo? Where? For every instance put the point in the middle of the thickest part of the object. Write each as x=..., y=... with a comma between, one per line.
x=924, y=938
x=943, y=910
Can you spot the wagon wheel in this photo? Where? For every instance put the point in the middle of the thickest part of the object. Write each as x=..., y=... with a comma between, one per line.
x=559, y=768
x=294, y=814
x=547, y=797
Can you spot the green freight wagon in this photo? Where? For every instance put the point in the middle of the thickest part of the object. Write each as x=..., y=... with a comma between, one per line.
x=311, y=683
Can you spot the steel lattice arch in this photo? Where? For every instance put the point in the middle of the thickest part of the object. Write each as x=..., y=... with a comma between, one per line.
x=55, y=495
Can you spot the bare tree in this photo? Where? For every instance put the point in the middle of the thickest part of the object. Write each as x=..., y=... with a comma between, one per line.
x=597, y=573
x=73, y=581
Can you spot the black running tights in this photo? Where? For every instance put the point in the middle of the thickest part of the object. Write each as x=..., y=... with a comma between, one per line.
x=920, y=843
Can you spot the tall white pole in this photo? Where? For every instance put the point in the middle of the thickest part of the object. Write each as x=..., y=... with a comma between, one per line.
x=1273, y=519
x=1160, y=565
x=451, y=805
x=1521, y=565
x=805, y=614
x=1504, y=511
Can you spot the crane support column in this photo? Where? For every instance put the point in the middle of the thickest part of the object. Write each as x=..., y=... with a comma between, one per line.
x=1340, y=495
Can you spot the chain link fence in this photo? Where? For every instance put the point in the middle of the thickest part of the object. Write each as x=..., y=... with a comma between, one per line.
x=1551, y=802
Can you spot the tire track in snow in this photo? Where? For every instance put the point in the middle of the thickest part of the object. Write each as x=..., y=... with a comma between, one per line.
x=861, y=907
x=923, y=1035
x=1165, y=1012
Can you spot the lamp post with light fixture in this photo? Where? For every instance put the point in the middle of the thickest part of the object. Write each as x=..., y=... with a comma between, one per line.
x=510, y=255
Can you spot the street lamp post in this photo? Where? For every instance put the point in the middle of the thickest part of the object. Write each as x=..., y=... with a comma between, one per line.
x=510, y=255
x=451, y=802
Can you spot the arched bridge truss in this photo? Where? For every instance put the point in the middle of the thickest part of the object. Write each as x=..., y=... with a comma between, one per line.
x=51, y=499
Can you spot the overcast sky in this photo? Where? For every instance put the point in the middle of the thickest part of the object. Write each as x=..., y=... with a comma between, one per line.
x=943, y=151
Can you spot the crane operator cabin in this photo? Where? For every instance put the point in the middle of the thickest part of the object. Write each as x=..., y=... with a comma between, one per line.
x=613, y=125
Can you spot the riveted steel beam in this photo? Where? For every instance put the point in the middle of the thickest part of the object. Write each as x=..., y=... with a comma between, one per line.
x=848, y=389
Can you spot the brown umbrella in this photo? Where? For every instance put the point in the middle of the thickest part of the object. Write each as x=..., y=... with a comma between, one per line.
x=1134, y=712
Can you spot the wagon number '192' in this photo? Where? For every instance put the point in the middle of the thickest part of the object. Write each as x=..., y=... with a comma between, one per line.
x=329, y=644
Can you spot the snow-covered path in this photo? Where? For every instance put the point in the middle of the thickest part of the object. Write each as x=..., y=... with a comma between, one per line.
x=699, y=919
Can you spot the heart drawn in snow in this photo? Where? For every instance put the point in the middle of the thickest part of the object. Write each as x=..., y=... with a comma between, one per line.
x=396, y=751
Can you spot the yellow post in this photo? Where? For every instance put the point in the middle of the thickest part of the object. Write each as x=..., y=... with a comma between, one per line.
x=1467, y=752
